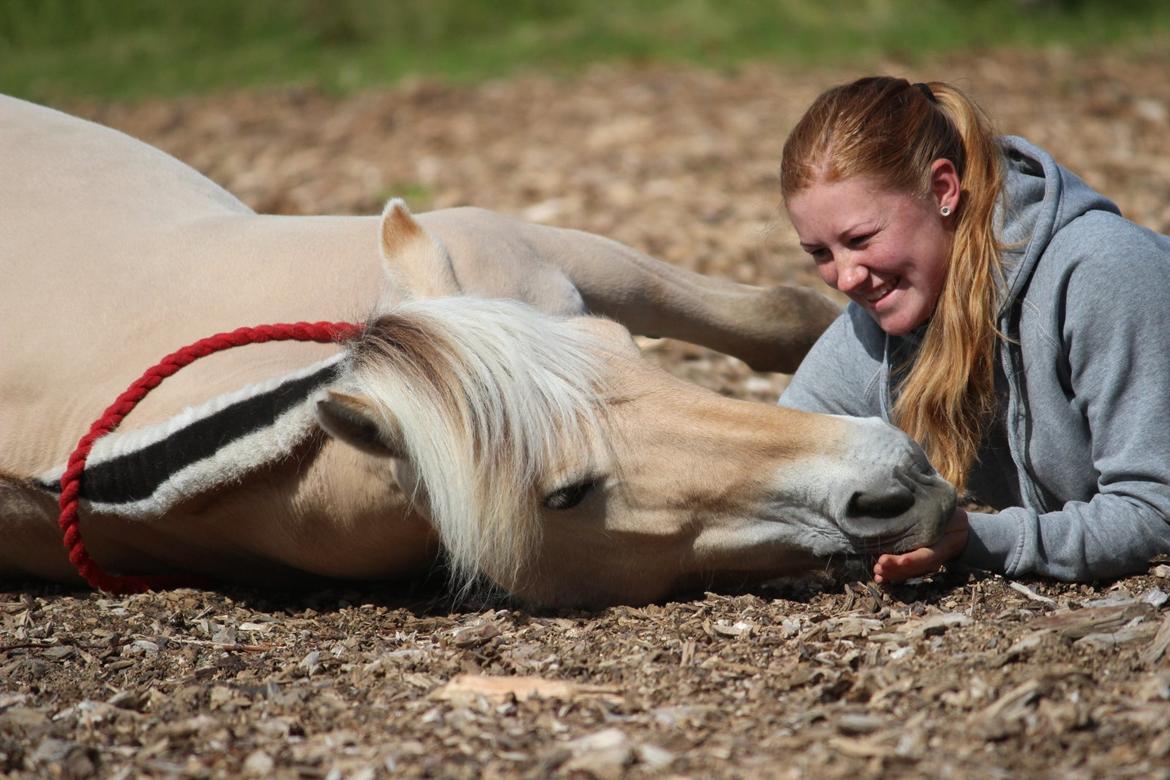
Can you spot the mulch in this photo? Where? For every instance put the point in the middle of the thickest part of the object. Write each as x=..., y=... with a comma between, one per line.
x=962, y=674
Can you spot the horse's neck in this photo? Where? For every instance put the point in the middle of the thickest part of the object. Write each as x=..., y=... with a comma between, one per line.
x=354, y=518
x=329, y=510
x=263, y=269
x=105, y=306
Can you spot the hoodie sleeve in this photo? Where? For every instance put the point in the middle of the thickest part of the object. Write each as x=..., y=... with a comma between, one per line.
x=1114, y=337
x=842, y=373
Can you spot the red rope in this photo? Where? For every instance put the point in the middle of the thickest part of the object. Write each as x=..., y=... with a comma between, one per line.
x=321, y=332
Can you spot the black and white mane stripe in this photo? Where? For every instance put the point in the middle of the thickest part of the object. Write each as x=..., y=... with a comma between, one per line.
x=145, y=472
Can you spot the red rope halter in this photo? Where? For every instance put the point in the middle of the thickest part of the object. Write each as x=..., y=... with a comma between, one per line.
x=321, y=332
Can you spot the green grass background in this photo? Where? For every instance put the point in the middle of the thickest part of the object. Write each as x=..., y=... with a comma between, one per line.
x=55, y=49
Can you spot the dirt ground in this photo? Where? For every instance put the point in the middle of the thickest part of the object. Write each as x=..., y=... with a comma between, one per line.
x=959, y=675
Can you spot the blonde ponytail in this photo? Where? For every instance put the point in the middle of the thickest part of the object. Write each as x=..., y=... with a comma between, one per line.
x=948, y=396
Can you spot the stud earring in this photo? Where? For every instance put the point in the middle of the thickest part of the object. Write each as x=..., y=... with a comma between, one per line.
x=945, y=211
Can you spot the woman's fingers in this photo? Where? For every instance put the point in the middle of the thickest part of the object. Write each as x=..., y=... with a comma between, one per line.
x=902, y=566
x=895, y=568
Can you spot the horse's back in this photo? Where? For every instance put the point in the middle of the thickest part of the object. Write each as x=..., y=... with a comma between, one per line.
x=92, y=221
x=55, y=165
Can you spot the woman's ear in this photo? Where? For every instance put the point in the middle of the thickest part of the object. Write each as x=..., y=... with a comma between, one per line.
x=945, y=185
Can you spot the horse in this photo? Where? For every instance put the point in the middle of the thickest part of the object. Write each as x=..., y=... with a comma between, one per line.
x=494, y=412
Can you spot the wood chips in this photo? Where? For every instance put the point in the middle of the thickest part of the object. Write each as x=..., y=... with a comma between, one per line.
x=959, y=675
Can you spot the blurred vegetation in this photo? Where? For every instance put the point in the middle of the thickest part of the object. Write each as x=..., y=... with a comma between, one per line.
x=132, y=48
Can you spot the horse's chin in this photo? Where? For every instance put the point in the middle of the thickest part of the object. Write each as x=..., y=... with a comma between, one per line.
x=910, y=539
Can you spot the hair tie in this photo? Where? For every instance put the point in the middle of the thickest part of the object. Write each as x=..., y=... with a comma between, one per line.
x=926, y=90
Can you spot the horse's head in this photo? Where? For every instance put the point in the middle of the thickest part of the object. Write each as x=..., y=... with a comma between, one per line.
x=554, y=460
x=687, y=487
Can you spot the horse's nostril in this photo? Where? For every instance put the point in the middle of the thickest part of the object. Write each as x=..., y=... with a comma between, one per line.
x=918, y=456
x=880, y=504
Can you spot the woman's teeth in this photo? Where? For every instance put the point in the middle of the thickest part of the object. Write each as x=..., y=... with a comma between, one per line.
x=881, y=292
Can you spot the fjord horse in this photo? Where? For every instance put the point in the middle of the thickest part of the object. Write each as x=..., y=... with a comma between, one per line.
x=487, y=410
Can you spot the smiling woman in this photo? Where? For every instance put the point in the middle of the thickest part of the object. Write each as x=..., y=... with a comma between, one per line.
x=1003, y=314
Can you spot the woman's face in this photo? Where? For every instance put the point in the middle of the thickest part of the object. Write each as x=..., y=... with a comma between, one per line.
x=888, y=251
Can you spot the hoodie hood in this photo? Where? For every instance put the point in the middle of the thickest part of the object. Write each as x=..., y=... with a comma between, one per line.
x=1039, y=198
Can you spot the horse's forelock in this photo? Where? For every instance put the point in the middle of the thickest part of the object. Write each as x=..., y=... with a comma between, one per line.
x=417, y=352
x=488, y=394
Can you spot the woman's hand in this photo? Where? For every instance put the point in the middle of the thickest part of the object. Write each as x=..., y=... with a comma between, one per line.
x=924, y=560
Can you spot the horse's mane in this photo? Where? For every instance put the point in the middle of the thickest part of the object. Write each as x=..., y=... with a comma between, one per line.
x=488, y=395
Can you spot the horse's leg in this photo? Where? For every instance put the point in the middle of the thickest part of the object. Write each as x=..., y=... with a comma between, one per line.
x=771, y=329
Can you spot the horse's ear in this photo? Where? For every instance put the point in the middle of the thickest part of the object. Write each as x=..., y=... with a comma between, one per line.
x=354, y=420
x=414, y=260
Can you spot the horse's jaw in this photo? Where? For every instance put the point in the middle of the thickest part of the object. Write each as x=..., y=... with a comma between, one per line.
x=752, y=546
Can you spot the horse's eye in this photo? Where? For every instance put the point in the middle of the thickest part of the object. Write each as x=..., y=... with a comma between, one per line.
x=570, y=495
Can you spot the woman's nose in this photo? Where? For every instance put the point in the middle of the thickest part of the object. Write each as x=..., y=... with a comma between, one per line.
x=850, y=275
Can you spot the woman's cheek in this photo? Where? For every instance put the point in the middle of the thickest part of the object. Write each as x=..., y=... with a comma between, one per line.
x=828, y=274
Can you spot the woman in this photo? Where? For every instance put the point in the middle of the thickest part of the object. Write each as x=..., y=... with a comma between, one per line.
x=1003, y=314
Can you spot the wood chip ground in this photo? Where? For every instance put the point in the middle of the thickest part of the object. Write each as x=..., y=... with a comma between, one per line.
x=959, y=675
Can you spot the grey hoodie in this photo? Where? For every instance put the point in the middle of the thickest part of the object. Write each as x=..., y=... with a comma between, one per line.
x=1078, y=459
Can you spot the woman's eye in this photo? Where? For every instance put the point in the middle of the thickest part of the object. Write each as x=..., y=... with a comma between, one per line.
x=859, y=242
x=570, y=495
x=819, y=255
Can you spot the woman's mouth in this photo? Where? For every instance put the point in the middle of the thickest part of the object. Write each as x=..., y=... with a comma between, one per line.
x=878, y=294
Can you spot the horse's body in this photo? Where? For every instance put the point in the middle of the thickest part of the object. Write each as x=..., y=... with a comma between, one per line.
x=113, y=254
